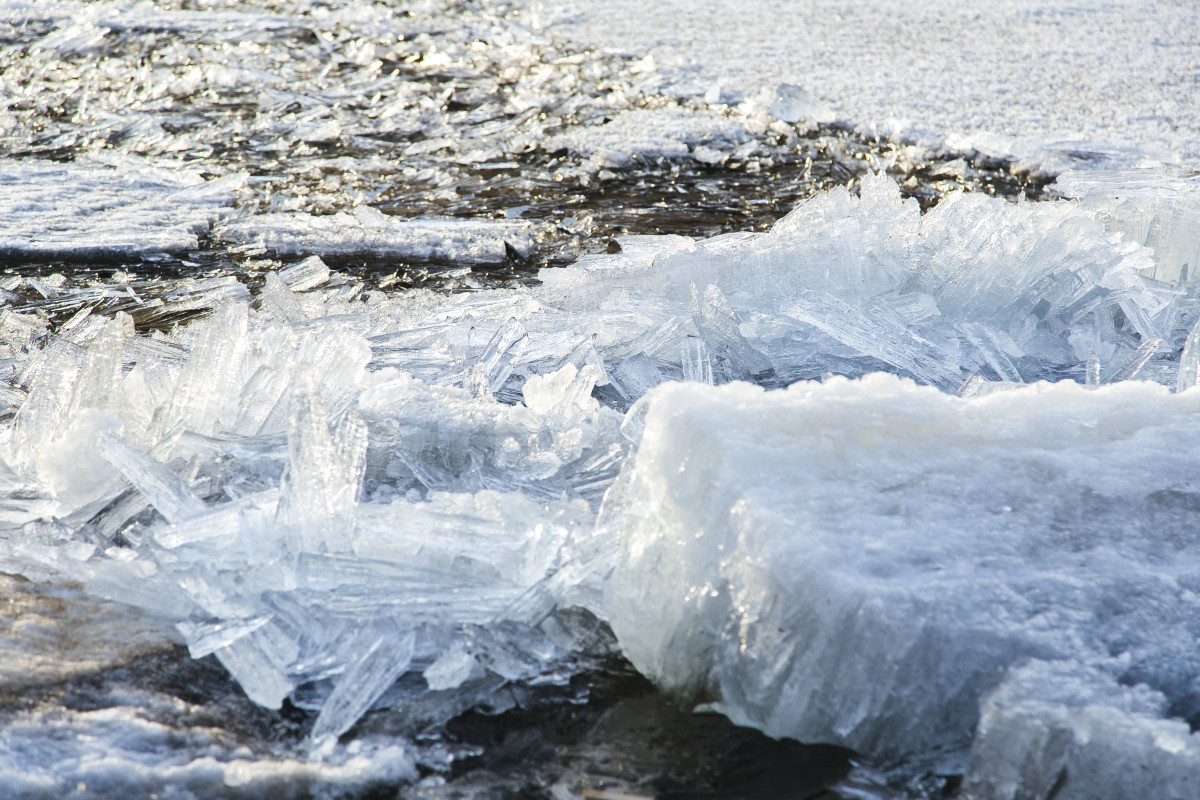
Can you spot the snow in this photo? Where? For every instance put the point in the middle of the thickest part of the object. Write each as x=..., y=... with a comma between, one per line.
x=1052, y=81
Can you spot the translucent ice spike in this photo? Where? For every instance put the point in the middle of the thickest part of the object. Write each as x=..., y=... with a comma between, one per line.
x=204, y=638
x=307, y=274
x=635, y=376
x=210, y=378
x=1092, y=376
x=318, y=492
x=363, y=683
x=1189, y=362
x=165, y=490
x=502, y=351
x=970, y=387
x=875, y=332
x=718, y=324
x=281, y=300
x=260, y=678
x=696, y=364
x=1134, y=363
x=984, y=340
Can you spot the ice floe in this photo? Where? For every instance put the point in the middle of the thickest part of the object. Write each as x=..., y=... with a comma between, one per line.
x=98, y=211
x=367, y=232
x=859, y=562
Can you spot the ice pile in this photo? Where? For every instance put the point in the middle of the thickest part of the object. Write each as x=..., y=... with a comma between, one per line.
x=1155, y=207
x=862, y=562
x=850, y=285
x=332, y=492
x=98, y=210
x=253, y=437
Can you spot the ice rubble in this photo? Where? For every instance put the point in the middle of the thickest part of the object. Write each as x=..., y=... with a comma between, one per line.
x=97, y=210
x=649, y=133
x=1155, y=207
x=328, y=492
x=859, y=562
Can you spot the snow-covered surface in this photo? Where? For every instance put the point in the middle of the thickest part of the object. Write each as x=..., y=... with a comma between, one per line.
x=1033, y=78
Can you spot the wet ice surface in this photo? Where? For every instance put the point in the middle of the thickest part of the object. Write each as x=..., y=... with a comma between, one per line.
x=286, y=388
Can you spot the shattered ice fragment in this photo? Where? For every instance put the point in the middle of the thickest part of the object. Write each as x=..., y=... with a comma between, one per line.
x=304, y=275
x=635, y=376
x=1135, y=361
x=372, y=672
x=468, y=241
x=165, y=490
x=206, y=638
x=794, y=104
x=501, y=352
x=1189, y=361
x=451, y=668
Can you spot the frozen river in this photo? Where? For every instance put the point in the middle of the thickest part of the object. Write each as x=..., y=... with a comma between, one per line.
x=446, y=399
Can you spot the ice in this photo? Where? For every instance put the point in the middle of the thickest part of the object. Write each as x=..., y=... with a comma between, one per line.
x=304, y=275
x=1155, y=207
x=163, y=489
x=51, y=210
x=451, y=669
x=644, y=133
x=859, y=562
x=1189, y=361
x=850, y=285
x=794, y=104
x=374, y=671
x=1054, y=732
x=370, y=233
x=306, y=466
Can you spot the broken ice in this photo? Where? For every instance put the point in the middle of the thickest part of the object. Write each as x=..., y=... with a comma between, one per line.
x=860, y=562
x=328, y=492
